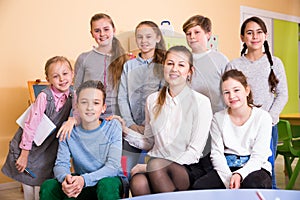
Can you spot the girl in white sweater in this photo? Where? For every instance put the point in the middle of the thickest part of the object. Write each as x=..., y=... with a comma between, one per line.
x=241, y=135
x=265, y=74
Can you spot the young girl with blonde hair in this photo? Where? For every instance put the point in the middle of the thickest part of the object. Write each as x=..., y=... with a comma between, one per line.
x=141, y=77
x=56, y=102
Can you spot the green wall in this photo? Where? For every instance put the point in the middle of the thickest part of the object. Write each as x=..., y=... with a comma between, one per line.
x=286, y=48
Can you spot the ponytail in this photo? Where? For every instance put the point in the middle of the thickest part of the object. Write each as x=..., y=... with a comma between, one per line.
x=250, y=100
x=273, y=81
x=160, y=101
x=244, y=49
x=117, y=61
x=159, y=54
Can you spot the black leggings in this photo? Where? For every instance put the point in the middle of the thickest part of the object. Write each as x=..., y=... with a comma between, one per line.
x=167, y=176
x=257, y=179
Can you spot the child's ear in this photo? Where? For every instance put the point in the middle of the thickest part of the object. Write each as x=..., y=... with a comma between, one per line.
x=208, y=34
x=158, y=38
x=248, y=89
x=103, y=108
x=193, y=69
x=72, y=74
x=242, y=38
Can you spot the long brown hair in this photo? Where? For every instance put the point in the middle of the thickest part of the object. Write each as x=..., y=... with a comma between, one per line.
x=273, y=81
x=160, y=48
x=240, y=77
x=118, y=55
x=163, y=92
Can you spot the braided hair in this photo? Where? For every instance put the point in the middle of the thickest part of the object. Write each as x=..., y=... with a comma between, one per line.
x=273, y=81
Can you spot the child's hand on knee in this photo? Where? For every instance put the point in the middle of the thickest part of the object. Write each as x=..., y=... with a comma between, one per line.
x=139, y=168
x=235, y=181
x=72, y=185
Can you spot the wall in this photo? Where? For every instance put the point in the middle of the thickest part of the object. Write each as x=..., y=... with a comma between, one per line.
x=286, y=48
x=33, y=31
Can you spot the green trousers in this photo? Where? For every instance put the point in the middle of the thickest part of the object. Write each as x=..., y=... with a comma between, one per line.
x=109, y=188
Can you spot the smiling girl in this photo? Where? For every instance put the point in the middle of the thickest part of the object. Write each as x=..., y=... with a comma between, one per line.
x=265, y=74
x=104, y=62
x=56, y=102
x=175, y=134
x=241, y=135
x=141, y=77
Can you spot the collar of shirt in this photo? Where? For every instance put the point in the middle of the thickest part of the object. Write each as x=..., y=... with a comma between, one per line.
x=59, y=97
x=58, y=94
x=261, y=59
x=143, y=61
x=175, y=100
x=104, y=54
x=200, y=55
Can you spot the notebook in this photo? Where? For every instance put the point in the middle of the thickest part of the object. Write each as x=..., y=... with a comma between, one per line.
x=44, y=129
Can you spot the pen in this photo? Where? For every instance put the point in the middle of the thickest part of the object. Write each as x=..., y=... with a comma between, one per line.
x=260, y=196
x=29, y=172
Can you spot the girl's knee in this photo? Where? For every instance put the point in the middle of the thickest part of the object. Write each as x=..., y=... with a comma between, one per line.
x=257, y=179
x=139, y=185
x=139, y=180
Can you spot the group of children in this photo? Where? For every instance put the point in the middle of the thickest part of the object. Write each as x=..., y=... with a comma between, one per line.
x=205, y=122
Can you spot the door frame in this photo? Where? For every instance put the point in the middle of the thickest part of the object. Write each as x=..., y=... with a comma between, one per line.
x=266, y=13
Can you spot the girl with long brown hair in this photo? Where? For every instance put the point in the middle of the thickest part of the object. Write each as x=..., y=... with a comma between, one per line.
x=265, y=74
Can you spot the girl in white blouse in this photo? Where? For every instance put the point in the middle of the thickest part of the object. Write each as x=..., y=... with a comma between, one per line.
x=241, y=135
x=176, y=131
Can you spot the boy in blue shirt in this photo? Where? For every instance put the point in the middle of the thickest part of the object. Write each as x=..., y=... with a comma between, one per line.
x=96, y=149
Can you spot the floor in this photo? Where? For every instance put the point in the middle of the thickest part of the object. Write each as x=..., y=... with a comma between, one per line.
x=16, y=193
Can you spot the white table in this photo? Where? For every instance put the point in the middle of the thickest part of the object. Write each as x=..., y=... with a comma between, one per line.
x=226, y=194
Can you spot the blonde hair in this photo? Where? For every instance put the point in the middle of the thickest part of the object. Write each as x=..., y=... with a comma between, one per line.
x=56, y=59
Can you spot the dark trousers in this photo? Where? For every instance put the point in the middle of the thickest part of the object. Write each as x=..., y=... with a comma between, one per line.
x=257, y=179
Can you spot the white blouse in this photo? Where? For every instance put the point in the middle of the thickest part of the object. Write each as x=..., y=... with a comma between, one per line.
x=181, y=129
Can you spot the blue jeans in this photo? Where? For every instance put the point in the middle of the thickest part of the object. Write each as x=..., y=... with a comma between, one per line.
x=271, y=159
